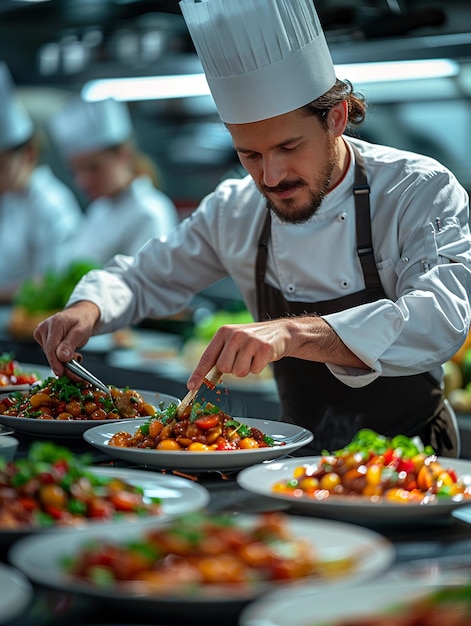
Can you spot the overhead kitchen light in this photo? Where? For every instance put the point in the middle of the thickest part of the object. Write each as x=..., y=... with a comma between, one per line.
x=190, y=85
x=388, y=71
x=147, y=87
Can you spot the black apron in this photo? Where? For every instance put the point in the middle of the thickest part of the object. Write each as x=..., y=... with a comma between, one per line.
x=312, y=397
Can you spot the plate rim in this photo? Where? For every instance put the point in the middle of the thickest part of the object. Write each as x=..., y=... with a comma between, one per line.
x=19, y=594
x=264, y=611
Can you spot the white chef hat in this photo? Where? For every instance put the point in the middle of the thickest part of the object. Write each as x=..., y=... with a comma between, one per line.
x=16, y=126
x=81, y=127
x=262, y=58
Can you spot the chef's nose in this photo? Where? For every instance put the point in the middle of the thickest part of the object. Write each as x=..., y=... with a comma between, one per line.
x=274, y=170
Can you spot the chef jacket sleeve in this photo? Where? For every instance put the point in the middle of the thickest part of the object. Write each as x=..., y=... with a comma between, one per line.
x=427, y=317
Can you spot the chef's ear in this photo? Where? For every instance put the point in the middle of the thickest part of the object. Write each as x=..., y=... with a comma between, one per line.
x=337, y=118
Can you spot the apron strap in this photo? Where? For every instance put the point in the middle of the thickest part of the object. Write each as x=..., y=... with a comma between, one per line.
x=361, y=194
x=365, y=252
x=261, y=266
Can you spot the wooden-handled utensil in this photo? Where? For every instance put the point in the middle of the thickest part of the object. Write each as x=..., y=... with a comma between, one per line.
x=211, y=380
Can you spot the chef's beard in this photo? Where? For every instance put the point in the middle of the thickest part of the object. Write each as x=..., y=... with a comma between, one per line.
x=287, y=211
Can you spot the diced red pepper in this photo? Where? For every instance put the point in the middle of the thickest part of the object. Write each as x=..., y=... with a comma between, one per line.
x=54, y=512
x=389, y=456
x=61, y=467
x=205, y=422
x=30, y=504
x=46, y=478
x=224, y=444
x=125, y=500
x=405, y=465
x=453, y=475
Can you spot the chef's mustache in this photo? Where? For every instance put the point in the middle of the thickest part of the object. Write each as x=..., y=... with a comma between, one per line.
x=284, y=186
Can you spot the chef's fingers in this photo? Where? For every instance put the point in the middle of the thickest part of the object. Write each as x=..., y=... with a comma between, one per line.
x=49, y=334
x=61, y=334
x=234, y=349
x=205, y=364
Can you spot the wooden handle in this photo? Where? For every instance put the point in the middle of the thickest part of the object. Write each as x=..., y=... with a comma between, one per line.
x=210, y=380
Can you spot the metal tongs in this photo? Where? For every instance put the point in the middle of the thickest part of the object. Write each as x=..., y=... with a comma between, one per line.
x=210, y=380
x=75, y=367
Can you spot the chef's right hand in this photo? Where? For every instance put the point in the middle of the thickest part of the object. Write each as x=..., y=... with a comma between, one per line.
x=63, y=333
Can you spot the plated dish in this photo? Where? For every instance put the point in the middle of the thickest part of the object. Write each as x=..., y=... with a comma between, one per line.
x=17, y=593
x=43, y=559
x=370, y=603
x=73, y=428
x=198, y=427
x=16, y=376
x=177, y=496
x=293, y=437
x=261, y=479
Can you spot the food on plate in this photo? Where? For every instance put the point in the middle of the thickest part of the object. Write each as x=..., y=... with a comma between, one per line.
x=52, y=486
x=448, y=605
x=202, y=549
x=11, y=372
x=64, y=399
x=397, y=469
x=203, y=428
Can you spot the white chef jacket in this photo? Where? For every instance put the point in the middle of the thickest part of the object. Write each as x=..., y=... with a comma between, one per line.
x=425, y=272
x=36, y=227
x=122, y=224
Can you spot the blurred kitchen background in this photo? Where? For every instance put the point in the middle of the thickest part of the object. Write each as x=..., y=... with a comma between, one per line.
x=410, y=58
x=54, y=47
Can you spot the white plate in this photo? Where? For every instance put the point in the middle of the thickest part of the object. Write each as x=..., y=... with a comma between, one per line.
x=40, y=370
x=303, y=606
x=200, y=461
x=179, y=495
x=40, y=557
x=16, y=594
x=75, y=428
x=261, y=478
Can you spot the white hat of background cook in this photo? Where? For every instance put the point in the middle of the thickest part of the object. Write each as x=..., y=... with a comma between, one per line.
x=16, y=126
x=81, y=127
x=262, y=58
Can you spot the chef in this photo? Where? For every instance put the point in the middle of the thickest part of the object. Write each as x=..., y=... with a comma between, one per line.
x=126, y=208
x=353, y=258
x=39, y=214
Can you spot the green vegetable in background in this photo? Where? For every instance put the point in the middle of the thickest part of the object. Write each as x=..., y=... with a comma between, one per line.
x=208, y=326
x=52, y=291
x=367, y=441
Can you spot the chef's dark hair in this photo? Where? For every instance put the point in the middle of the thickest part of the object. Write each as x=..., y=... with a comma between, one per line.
x=342, y=90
